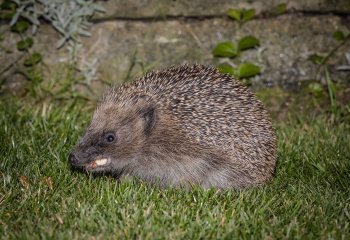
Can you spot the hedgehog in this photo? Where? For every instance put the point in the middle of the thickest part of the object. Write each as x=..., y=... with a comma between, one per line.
x=179, y=127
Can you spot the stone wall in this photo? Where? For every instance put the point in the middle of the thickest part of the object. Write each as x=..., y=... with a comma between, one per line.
x=143, y=34
x=160, y=8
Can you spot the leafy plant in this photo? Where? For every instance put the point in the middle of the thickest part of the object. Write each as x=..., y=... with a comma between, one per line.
x=25, y=44
x=69, y=18
x=242, y=71
x=28, y=59
x=315, y=89
x=317, y=59
x=21, y=26
x=241, y=15
x=231, y=50
x=33, y=59
x=321, y=62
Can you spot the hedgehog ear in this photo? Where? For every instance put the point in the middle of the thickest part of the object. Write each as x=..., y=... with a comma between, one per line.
x=149, y=116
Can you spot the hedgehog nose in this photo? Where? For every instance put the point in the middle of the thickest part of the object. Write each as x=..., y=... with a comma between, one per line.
x=73, y=160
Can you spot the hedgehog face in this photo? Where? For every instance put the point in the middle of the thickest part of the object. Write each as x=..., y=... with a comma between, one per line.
x=114, y=140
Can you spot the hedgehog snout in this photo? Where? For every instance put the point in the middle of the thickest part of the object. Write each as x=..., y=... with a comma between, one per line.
x=73, y=159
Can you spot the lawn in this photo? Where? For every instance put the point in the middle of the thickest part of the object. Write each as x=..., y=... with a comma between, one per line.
x=41, y=197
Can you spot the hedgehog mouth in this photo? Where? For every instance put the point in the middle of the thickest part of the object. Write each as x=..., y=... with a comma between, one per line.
x=97, y=164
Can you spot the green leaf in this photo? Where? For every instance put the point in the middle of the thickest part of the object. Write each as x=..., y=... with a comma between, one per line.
x=248, y=42
x=339, y=35
x=315, y=89
x=280, y=9
x=317, y=59
x=34, y=59
x=246, y=70
x=226, y=68
x=24, y=44
x=248, y=14
x=21, y=26
x=225, y=49
x=235, y=14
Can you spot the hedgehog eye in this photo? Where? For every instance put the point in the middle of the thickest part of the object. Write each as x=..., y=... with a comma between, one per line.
x=110, y=137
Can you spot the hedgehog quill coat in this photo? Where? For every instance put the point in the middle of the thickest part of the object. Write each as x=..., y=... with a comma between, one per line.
x=181, y=126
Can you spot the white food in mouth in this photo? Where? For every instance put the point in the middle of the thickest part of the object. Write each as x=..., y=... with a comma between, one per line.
x=100, y=162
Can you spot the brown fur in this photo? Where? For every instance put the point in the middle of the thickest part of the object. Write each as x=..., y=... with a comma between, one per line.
x=181, y=126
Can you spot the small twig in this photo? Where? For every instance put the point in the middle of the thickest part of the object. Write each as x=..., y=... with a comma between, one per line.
x=11, y=64
x=196, y=39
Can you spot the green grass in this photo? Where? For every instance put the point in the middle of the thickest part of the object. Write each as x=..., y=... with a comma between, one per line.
x=40, y=197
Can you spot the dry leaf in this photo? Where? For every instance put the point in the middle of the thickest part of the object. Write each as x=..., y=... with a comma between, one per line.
x=49, y=182
x=24, y=181
x=59, y=219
